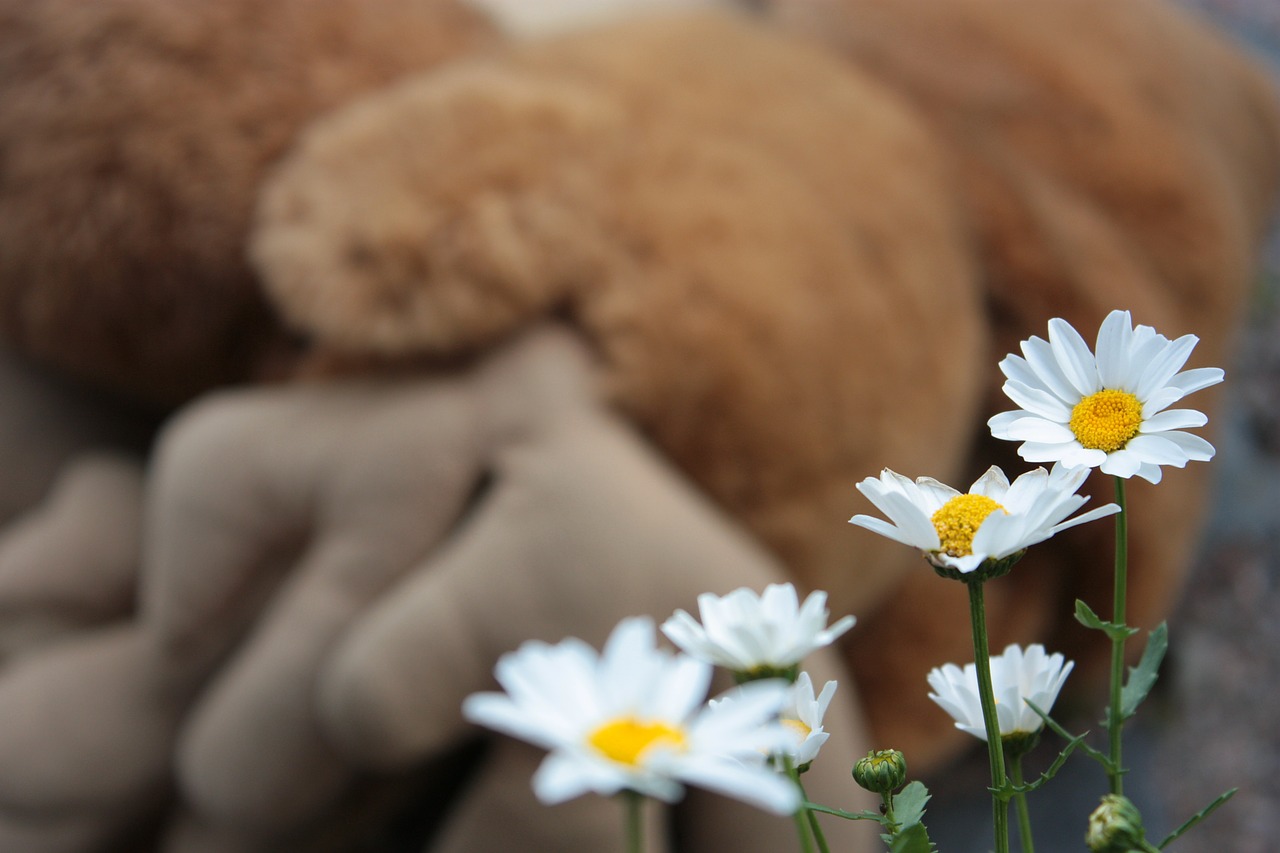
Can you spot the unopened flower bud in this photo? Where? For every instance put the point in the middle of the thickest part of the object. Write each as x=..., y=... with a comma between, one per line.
x=1115, y=826
x=883, y=771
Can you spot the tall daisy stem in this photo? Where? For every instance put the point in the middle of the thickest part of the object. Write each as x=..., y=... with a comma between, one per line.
x=802, y=829
x=1115, y=718
x=1020, y=803
x=810, y=814
x=634, y=821
x=806, y=821
x=995, y=749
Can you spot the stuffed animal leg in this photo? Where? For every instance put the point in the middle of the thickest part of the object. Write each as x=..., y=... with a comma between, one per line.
x=430, y=527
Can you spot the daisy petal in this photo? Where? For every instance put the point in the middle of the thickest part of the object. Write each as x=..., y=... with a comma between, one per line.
x=1113, y=348
x=1073, y=356
x=759, y=786
x=1157, y=450
x=1174, y=419
x=1042, y=362
x=1161, y=369
x=1196, y=448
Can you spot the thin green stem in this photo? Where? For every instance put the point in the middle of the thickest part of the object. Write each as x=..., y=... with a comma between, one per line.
x=995, y=751
x=814, y=826
x=1115, y=720
x=803, y=817
x=1020, y=802
x=802, y=829
x=891, y=824
x=634, y=818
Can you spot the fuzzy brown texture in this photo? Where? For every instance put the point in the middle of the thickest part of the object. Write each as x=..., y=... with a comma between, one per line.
x=725, y=262
x=798, y=257
x=792, y=269
x=133, y=137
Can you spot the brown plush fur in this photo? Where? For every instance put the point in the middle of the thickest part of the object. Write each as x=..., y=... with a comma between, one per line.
x=798, y=256
x=792, y=269
x=726, y=263
x=134, y=137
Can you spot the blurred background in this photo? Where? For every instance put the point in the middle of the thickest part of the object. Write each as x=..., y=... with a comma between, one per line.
x=1211, y=725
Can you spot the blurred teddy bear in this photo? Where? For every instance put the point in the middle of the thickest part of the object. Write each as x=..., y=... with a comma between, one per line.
x=541, y=326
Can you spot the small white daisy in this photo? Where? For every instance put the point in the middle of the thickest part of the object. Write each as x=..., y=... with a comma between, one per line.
x=1109, y=411
x=749, y=634
x=803, y=714
x=1016, y=676
x=634, y=718
x=994, y=520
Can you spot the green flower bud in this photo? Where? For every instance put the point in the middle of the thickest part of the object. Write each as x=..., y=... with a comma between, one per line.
x=1115, y=826
x=883, y=771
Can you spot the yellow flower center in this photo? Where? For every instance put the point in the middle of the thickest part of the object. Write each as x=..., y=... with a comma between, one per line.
x=959, y=519
x=798, y=726
x=1106, y=420
x=627, y=739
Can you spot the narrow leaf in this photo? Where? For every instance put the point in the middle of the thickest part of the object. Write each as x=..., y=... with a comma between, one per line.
x=1052, y=769
x=1196, y=818
x=1143, y=677
x=862, y=815
x=1086, y=617
x=1053, y=726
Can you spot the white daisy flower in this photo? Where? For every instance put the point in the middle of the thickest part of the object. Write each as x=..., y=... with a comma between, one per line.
x=634, y=718
x=803, y=715
x=993, y=521
x=755, y=634
x=1109, y=411
x=1016, y=676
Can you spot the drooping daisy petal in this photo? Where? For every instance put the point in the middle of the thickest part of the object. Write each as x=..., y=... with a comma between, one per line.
x=1087, y=410
x=994, y=520
x=649, y=733
x=749, y=633
x=1016, y=677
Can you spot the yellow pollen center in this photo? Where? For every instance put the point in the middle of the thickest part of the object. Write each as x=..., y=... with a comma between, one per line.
x=958, y=520
x=627, y=739
x=1106, y=420
x=797, y=726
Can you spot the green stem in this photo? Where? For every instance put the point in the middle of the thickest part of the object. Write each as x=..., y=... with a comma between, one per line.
x=1020, y=802
x=891, y=825
x=634, y=821
x=802, y=829
x=995, y=750
x=1115, y=722
x=814, y=826
x=805, y=820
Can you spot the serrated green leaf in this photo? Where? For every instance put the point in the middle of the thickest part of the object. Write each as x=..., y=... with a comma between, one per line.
x=913, y=839
x=1196, y=818
x=1049, y=773
x=909, y=803
x=1086, y=617
x=841, y=813
x=1057, y=729
x=1143, y=677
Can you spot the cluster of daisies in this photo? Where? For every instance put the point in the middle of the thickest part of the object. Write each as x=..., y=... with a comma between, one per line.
x=635, y=716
